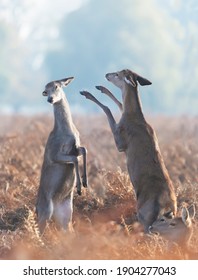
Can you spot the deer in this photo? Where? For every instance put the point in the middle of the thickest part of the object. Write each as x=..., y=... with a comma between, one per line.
x=137, y=139
x=177, y=229
x=60, y=168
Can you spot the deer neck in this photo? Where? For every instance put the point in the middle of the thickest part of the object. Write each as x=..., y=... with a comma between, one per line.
x=131, y=101
x=62, y=116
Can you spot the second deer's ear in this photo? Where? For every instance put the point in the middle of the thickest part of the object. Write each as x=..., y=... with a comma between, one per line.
x=129, y=80
x=142, y=81
x=191, y=210
x=132, y=78
x=185, y=216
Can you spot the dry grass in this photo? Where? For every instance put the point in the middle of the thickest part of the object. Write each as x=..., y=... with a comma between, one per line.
x=105, y=215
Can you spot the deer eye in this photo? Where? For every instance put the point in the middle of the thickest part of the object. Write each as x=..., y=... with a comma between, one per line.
x=162, y=220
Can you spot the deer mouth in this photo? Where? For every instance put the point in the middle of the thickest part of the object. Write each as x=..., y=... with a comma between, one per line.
x=152, y=231
x=50, y=100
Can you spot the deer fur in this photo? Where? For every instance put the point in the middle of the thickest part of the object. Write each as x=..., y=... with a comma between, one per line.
x=137, y=139
x=60, y=170
x=178, y=229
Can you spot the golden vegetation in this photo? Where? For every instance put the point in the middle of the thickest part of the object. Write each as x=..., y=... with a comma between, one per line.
x=105, y=215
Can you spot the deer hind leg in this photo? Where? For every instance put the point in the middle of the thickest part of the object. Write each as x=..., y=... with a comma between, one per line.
x=62, y=213
x=44, y=210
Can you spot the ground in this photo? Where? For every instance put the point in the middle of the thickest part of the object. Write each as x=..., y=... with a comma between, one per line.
x=104, y=217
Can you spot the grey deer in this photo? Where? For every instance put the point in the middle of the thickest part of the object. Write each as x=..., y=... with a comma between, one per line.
x=178, y=229
x=60, y=170
x=137, y=139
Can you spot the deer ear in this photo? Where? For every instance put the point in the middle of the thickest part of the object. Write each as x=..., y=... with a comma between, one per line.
x=65, y=82
x=142, y=81
x=186, y=217
x=129, y=80
x=191, y=210
x=132, y=78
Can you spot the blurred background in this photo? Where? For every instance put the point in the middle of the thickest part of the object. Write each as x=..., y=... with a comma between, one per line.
x=45, y=40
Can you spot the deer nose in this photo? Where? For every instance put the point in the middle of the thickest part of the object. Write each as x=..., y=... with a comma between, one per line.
x=107, y=76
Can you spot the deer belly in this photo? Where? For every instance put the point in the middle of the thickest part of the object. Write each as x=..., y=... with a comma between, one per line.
x=58, y=179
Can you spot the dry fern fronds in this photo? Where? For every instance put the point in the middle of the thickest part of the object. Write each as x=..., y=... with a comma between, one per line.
x=32, y=229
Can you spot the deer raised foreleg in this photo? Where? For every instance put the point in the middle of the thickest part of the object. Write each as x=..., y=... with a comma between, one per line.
x=107, y=111
x=82, y=151
x=116, y=130
x=110, y=94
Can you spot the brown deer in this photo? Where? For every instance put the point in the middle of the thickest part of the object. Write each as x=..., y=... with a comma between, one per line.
x=60, y=171
x=177, y=229
x=137, y=139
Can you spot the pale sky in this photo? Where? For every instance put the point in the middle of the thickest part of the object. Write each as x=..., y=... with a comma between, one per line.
x=36, y=22
x=26, y=15
x=162, y=44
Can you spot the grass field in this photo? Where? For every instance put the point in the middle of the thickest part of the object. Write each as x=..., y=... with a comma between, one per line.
x=104, y=216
